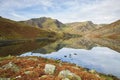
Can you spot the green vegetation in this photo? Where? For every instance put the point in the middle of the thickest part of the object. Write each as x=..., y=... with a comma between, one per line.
x=11, y=30
x=80, y=27
x=45, y=23
x=23, y=47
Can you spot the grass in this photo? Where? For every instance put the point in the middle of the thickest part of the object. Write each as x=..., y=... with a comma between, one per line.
x=15, y=30
x=36, y=70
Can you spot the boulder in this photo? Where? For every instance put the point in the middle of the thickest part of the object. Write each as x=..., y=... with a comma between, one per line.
x=11, y=66
x=49, y=69
x=92, y=71
x=69, y=75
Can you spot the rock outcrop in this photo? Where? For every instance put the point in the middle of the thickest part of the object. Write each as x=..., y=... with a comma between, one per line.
x=49, y=69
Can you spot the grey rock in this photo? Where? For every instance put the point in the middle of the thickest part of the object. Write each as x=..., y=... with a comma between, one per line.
x=92, y=71
x=28, y=72
x=49, y=69
x=67, y=74
x=18, y=76
x=44, y=76
x=66, y=79
x=34, y=59
x=11, y=66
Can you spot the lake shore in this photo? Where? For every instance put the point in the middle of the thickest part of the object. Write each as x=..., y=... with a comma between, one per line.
x=38, y=68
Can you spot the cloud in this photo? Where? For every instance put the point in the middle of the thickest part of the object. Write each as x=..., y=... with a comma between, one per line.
x=98, y=11
x=17, y=16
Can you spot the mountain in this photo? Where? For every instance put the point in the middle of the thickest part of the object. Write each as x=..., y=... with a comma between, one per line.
x=110, y=31
x=10, y=29
x=80, y=27
x=45, y=23
x=50, y=24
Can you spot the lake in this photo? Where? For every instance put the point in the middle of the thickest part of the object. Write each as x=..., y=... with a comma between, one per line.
x=103, y=55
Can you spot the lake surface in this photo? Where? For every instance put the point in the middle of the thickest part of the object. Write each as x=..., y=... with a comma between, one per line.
x=103, y=55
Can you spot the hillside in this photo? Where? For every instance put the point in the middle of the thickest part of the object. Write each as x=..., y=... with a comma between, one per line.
x=80, y=27
x=45, y=23
x=111, y=31
x=14, y=30
x=20, y=68
x=57, y=26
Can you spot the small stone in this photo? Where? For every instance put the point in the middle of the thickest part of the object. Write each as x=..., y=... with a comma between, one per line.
x=65, y=56
x=34, y=59
x=75, y=67
x=39, y=65
x=66, y=79
x=30, y=67
x=75, y=53
x=49, y=69
x=70, y=55
x=44, y=76
x=97, y=75
x=60, y=64
x=28, y=72
x=92, y=71
x=18, y=76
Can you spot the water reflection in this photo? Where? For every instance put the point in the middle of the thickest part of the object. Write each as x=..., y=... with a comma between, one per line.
x=75, y=50
x=71, y=43
x=46, y=47
x=79, y=43
x=21, y=48
x=102, y=59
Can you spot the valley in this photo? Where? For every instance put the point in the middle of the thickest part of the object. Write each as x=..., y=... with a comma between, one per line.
x=41, y=37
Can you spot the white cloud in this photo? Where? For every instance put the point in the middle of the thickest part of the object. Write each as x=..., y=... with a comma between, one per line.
x=17, y=16
x=98, y=11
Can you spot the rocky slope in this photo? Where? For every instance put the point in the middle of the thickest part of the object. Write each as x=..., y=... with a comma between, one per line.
x=20, y=68
x=10, y=29
x=45, y=23
x=57, y=26
x=80, y=27
x=110, y=31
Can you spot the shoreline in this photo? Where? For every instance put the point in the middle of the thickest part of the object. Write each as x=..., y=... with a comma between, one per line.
x=26, y=68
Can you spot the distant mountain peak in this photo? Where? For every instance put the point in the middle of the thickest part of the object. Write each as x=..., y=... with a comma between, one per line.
x=88, y=22
x=45, y=23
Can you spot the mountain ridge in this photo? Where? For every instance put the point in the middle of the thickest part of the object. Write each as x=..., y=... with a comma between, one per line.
x=10, y=29
x=111, y=30
x=46, y=23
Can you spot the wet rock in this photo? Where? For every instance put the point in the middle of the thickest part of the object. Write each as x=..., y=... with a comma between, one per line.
x=75, y=53
x=70, y=55
x=11, y=66
x=67, y=74
x=49, y=69
x=65, y=56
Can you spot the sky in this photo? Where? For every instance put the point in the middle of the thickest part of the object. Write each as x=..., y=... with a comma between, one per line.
x=66, y=11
